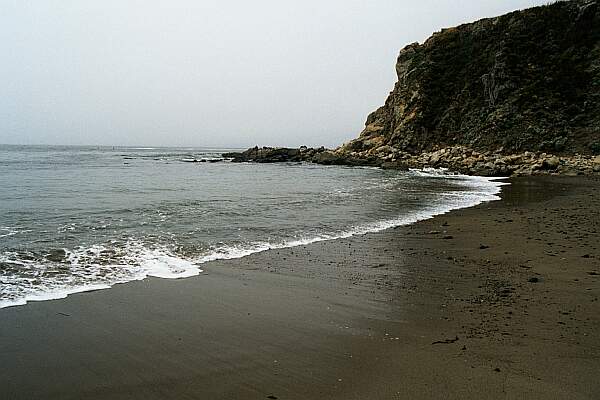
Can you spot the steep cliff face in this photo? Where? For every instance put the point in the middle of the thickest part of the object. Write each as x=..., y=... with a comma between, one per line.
x=528, y=80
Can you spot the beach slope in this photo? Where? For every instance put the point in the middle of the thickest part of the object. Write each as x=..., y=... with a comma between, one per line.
x=495, y=301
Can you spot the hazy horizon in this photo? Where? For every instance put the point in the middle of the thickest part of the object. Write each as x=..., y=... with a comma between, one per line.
x=200, y=74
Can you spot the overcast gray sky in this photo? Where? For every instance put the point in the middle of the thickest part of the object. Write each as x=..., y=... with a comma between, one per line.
x=226, y=73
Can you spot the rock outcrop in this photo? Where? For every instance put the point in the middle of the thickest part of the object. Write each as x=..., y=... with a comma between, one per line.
x=525, y=81
x=456, y=158
x=517, y=94
x=320, y=155
x=273, y=154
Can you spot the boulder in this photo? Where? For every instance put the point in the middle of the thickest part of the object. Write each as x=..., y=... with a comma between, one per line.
x=56, y=255
x=397, y=165
x=550, y=163
x=328, y=158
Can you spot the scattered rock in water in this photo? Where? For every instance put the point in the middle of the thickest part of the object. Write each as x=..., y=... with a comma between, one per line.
x=483, y=246
x=56, y=255
x=272, y=154
x=533, y=279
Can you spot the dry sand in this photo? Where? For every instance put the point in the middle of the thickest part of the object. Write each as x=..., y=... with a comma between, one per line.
x=496, y=301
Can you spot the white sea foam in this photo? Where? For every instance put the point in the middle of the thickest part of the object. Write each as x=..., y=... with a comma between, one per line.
x=6, y=231
x=89, y=268
x=160, y=264
x=52, y=294
x=483, y=190
x=102, y=266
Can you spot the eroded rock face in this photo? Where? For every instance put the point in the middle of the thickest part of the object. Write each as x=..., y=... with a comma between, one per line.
x=525, y=81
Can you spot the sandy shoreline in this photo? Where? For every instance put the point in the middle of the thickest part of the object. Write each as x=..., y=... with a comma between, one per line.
x=495, y=301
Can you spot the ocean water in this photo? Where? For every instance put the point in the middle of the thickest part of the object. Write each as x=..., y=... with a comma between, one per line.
x=74, y=219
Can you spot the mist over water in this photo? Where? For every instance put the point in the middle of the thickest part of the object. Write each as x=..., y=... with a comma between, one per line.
x=82, y=218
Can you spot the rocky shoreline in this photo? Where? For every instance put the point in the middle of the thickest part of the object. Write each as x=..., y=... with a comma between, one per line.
x=459, y=159
x=514, y=95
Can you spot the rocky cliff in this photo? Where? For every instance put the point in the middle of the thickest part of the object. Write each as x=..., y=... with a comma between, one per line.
x=525, y=81
x=517, y=94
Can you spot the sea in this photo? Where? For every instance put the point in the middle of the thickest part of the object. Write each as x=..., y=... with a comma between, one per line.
x=76, y=219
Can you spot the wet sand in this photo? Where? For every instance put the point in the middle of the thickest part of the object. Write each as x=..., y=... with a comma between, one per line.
x=495, y=301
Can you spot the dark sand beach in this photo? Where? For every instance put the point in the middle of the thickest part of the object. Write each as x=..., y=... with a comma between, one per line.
x=496, y=301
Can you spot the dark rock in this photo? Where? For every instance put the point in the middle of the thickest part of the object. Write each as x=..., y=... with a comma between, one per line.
x=398, y=165
x=328, y=158
x=533, y=279
x=446, y=341
x=268, y=155
x=56, y=255
x=551, y=163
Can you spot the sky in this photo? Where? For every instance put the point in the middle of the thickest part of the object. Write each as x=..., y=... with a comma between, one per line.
x=226, y=73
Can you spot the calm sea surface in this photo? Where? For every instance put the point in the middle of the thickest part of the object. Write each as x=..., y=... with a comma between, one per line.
x=82, y=218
